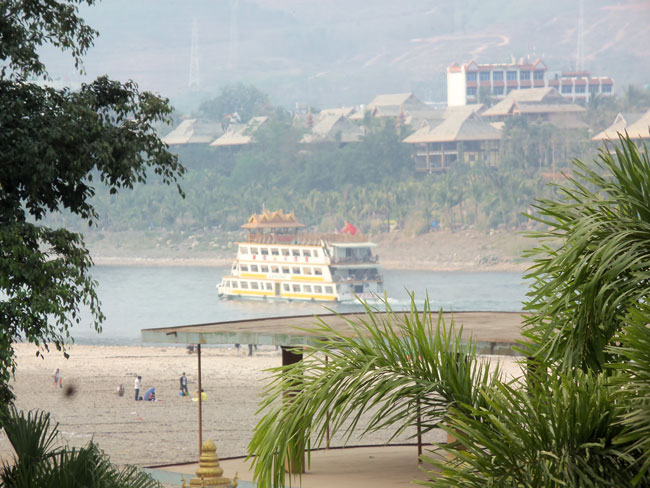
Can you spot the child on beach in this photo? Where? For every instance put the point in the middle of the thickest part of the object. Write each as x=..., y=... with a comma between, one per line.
x=58, y=379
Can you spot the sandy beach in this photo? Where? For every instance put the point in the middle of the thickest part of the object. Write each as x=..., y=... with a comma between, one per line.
x=161, y=432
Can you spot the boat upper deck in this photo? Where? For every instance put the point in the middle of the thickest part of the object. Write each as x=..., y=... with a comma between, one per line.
x=306, y=238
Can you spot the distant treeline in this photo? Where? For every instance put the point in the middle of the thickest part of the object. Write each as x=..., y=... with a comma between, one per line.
x=372, y=183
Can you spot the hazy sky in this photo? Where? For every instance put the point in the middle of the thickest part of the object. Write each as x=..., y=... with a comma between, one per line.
x=344, y=52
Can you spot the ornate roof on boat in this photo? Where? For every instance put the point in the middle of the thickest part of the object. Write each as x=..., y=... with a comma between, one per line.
x=269, y=220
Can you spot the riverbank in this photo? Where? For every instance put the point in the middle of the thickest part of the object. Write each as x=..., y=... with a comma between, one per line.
x=165, y=431
x=466, y=250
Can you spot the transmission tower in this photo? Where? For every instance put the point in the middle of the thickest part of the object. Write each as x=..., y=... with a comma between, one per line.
x=234, y=34
x=580, y=52
x=194, y=80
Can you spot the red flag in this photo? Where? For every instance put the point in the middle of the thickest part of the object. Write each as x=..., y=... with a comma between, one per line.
x=351, y=229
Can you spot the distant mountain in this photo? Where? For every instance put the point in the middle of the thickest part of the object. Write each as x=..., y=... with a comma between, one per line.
x=341, y=52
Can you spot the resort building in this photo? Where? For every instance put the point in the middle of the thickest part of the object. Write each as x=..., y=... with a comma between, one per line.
x=635, y=125
x=193, y=131
x=404, y=107
x=461, y=136
x=333, y=127
x=238, y=135
x=578, y=86
x=467, y=81
x=538, y=105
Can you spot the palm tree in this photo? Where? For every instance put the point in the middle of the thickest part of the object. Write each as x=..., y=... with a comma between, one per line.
x=40, y=462
x=581, y=414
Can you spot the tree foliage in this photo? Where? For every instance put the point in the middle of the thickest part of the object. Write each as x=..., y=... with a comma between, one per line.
x=39, y=461
x=57, y=145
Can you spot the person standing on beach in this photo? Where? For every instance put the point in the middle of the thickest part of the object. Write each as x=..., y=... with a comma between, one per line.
x=184, y=385
x=56, y=376
x=138, y=379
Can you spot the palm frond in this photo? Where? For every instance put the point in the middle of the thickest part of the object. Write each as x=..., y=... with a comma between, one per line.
x=389, y=369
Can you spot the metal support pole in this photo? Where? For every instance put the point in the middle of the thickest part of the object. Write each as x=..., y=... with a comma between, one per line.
x=419, y=433
x=327, y=418
x=198, y=355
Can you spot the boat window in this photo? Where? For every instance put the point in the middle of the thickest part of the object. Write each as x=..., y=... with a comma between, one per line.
x=265, y=268
x=318, y=271
x=253, y=250
x=286, y=287
x=275, y=269
x=306, y=252
x=243, y=250
x=285, y=252
x=315, y=253
x=285, y=269
x=307, y=288
x=244, y=285
x=307, y=270
x=296, y=287
x=244, y=267
x=254, y=268
x=264, y=251
x=269, y=286
x=254, y=285
x=328, y=289
x=296, y=270
x=234, y=266
x=295, y=252
x=234, y=284
x=318, y=289
x=275, y=251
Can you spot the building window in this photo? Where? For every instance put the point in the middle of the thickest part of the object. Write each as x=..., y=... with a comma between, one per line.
x=318, y=272
x=567, y=88
x=538, y=75
x=285, y=252
x=606, y=89
x=264, y=251
x=471, y=91
x=253, y=250
x=580, y=88
x=593, y=89
x=497, y=75
x=306, y=253
x=307, y=271
x=471, y=76
x=484, y=76
x=275, y=251
x=511, y=75
x=275, y=269
x=265, y=268
x=524, y=75
x=285, y=269
x=510, y=88
x=254, y=268
x=497, y=90
x=296, y=270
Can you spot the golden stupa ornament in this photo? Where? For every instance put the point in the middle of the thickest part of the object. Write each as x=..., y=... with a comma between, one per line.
x=209, y=472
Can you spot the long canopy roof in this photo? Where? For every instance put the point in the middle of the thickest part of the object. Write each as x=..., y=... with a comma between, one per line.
x=494, y=332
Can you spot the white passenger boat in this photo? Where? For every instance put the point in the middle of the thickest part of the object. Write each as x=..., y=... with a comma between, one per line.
x=280, y=261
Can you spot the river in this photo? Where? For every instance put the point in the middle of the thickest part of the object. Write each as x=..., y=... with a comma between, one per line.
x=135, y=298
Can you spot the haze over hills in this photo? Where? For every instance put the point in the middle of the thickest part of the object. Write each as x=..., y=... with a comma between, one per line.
x=345, y=52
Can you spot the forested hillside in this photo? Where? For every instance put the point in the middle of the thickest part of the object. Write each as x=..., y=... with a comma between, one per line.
x=371, y=183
